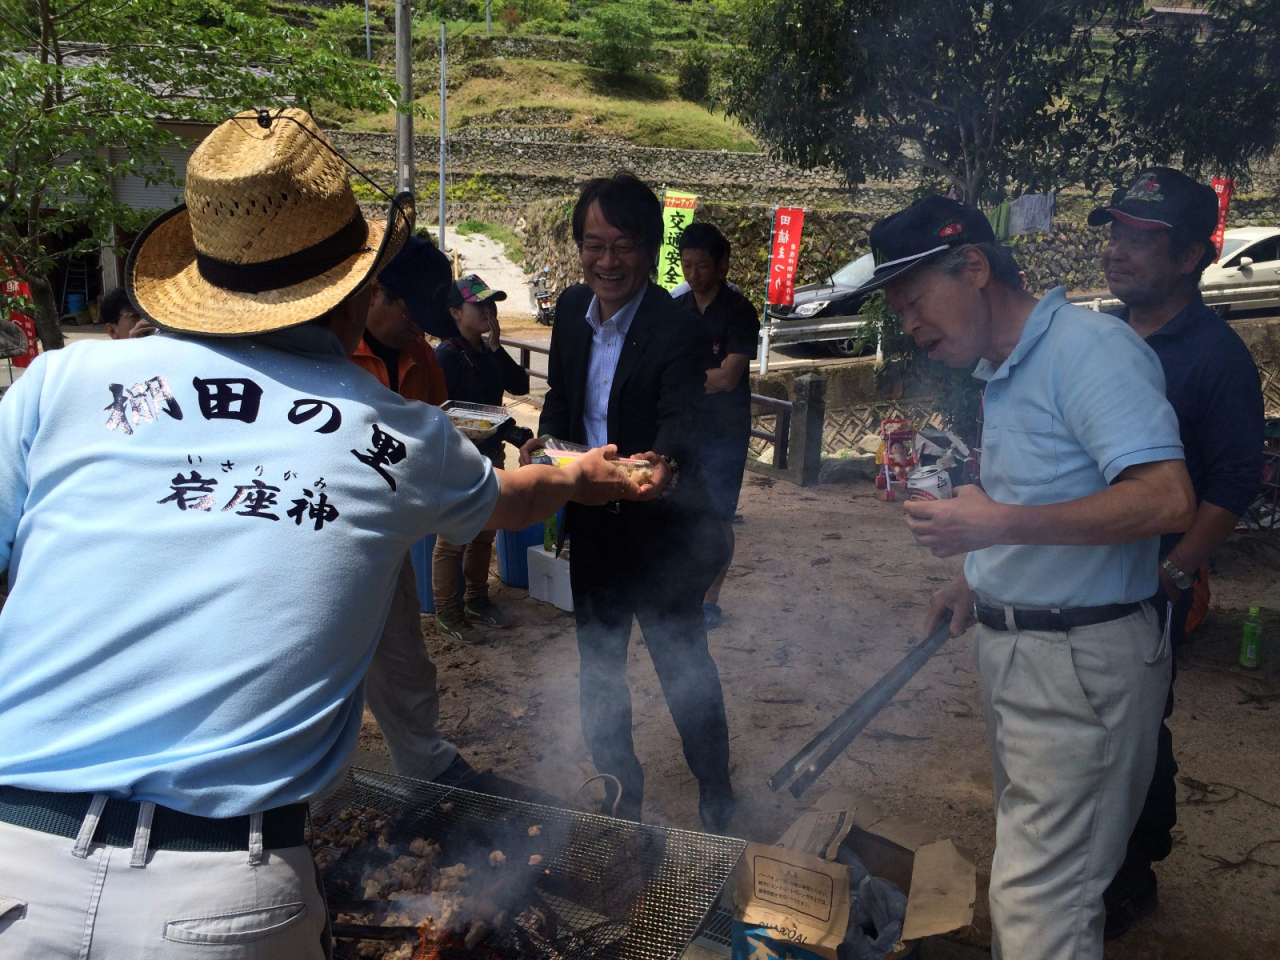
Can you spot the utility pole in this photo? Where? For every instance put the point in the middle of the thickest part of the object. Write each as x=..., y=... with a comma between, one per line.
x=404, y=116
x=368, y=42
x=488, y=23
x=443, y=90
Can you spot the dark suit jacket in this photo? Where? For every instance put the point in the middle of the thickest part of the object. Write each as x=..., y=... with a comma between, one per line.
x=657, y=402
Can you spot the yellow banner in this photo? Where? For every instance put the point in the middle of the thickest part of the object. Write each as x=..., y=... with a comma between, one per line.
x=677, y=213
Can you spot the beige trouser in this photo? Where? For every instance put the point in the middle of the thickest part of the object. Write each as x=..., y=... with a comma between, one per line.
x=1071, y=722
x=400, y=688
x=476, y=556
x=55, y=905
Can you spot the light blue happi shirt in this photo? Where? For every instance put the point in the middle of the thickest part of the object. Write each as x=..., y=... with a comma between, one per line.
x=1080, y=399
x=202, y=539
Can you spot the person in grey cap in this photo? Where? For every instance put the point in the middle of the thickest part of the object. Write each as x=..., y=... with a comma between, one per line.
x=1161, y=239
x=1082, y=470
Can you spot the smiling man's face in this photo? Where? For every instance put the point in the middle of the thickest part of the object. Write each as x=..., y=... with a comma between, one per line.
x=945, y=315
x=614, y=264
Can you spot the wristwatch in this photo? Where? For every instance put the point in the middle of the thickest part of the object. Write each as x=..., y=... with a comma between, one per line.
x=1180, y=579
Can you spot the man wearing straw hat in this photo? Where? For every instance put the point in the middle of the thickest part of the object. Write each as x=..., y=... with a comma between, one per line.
x=161, y=733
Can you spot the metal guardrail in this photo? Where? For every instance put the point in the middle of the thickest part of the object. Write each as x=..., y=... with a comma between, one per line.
x=1222, y=296
x=781, y=410
x=527, y=350
x=788, y=331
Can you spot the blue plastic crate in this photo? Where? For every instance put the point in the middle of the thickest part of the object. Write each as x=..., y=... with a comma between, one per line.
x=421, y=554
x=513, y=557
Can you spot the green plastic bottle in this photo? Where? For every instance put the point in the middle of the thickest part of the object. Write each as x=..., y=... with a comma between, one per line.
x=549, y=533
x=1251, y=639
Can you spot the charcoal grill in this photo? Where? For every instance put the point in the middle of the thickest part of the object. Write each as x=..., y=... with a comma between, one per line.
x=619, y=890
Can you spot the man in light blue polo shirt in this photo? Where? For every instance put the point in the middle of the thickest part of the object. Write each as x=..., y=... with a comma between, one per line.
x=1083, y=470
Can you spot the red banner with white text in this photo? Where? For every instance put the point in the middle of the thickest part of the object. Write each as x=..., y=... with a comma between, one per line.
x=1223, y=187
x=784, y=254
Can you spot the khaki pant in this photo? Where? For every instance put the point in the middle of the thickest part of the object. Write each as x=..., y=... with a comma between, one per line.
x=476, y=557
x=400, y=688
x=1071, y=722
x=55, y=905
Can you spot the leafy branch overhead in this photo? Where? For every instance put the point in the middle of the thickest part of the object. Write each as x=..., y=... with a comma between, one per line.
x=991, y=95
x=84, y=83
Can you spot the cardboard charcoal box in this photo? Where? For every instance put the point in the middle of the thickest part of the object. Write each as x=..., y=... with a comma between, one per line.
x=793, y=899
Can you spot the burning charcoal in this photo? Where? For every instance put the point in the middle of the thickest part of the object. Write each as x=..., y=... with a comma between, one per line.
x=497, y=858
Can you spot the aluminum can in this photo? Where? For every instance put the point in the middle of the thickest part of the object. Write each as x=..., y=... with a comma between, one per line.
x=929, y=483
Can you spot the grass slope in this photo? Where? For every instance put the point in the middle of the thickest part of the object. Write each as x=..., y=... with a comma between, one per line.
x=641, y=108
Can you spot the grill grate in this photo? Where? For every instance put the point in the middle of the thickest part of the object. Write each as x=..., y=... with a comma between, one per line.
x=620, y=890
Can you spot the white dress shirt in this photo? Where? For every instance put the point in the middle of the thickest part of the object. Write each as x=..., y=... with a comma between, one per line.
x=606, y=346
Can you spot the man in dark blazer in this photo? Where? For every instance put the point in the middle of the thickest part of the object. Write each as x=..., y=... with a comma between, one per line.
x=628, y=364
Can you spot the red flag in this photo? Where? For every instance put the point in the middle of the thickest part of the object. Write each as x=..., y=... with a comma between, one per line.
x=1223, y=187
x=784, y=253
x=20, y=288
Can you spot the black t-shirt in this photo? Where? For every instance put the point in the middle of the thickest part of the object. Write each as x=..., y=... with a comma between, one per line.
x=735, y=328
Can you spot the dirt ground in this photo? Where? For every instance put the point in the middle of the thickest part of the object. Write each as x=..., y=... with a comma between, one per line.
x=826, y=592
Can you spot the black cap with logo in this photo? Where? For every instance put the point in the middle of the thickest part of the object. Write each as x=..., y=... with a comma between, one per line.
x=1162, y=198
x=930, y=226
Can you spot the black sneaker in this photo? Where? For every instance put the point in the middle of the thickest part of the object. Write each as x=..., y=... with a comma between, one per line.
x=1128, y=900
x=456, y=774
x=485, y=611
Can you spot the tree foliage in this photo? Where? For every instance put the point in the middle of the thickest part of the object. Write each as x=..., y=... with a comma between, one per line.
x=617, y=38
x=989, y=96
x=975, y=94
x=78, y=77
x=1210, y=105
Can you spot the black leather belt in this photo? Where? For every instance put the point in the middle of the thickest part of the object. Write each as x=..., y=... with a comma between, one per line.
x=62, y=814
x=1058, y=621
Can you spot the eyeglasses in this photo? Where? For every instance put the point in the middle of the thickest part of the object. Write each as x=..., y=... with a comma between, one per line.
x=620, y=248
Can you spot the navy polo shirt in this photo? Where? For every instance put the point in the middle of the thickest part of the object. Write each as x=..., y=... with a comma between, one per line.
x=1213, y=385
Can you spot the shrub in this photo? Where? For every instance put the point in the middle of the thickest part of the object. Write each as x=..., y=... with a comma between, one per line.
x=510, y=19
x=617, y=38
x=694, y=73
x=342, y=30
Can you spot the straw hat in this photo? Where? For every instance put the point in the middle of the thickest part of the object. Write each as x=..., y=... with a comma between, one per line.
x=270, y=237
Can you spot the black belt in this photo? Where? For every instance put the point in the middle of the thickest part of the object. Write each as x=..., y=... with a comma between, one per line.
x=1058, y=621
x=62, y=814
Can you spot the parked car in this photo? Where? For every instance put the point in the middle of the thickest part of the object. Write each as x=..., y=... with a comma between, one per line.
x=1250, y=257
x=833, y=297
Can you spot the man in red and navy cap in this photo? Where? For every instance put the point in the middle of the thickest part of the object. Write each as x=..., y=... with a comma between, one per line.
x=1082, y=471
x=1161, y=229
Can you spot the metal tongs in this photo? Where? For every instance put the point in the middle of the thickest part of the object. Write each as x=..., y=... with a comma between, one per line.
x=819, y=753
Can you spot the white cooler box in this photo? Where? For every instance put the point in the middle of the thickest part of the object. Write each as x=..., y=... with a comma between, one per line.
x=549, y=578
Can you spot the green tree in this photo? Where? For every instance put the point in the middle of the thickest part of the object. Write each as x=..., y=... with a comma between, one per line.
x=78, y=77
x=974, y=94
x=617, y=38
x=1210, y=105
x=695, y=72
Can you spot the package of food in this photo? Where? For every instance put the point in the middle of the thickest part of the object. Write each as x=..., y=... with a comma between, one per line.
x=476, y=421
x=559, y=452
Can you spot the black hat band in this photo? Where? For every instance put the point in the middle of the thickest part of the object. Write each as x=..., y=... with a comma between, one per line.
x=291, y=269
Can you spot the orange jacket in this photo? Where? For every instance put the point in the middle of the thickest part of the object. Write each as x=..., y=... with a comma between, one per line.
x=420, y=375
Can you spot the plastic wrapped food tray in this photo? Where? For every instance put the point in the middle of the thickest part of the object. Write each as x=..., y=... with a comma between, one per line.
x=476, y=421
x=559, y=452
